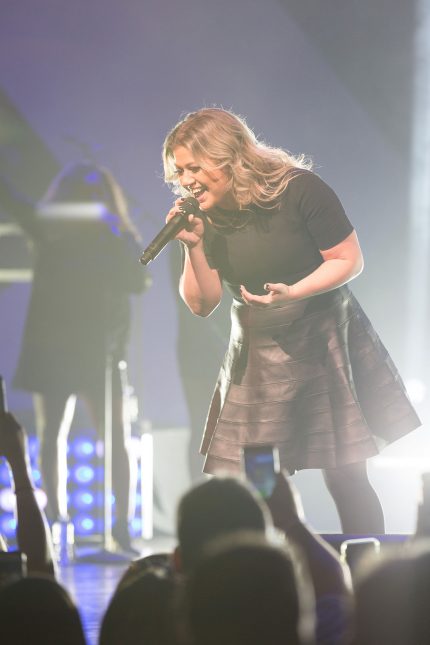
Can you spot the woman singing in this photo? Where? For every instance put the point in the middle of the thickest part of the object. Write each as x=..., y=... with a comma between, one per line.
x=304, y=369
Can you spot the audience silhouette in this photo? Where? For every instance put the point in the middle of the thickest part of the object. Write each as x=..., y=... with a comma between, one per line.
x=39, y=611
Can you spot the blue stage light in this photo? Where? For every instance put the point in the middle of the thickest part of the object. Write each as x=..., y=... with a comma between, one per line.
x=84, y=524
x=37, y=477
x=93, y=177
x=4, y=475
x=7, y=500
x=82, y=500
x=98, y=525
x=84, y=497
x=33, y=447
x=87, y=524
x=83, y=448
x=136, y=526
x=8, y=525
x=83, y=474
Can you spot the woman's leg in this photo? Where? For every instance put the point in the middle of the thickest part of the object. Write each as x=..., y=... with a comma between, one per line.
x=358, y=505
x=54, y=416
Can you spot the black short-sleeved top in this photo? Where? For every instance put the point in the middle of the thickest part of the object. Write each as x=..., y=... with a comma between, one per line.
x=281, y=244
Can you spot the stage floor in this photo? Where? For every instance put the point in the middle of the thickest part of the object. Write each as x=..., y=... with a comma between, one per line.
x=92, y=585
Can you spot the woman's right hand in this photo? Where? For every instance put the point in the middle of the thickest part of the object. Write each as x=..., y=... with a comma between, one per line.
x=192, y=234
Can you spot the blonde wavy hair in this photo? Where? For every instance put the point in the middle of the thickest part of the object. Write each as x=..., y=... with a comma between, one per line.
x=258, y=173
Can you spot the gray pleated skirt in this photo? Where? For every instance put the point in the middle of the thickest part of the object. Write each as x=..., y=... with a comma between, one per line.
x=312, y=378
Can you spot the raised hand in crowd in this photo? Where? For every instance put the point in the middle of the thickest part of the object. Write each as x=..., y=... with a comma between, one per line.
x=331, y=578
x=33, y=536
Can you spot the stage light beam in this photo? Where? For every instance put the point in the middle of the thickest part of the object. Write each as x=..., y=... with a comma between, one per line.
x=419, y=220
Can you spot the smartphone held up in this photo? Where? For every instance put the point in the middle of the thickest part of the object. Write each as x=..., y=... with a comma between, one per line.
x=261, y=467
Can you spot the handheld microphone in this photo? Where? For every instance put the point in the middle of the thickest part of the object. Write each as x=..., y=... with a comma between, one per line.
x=189, y=206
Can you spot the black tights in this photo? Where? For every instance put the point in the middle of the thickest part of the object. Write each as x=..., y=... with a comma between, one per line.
x=359, y=508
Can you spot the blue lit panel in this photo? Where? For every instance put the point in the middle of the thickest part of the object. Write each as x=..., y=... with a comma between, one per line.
x=37, y=477
x=136, y=526
x=84, y=524
x=82, y=500
x=4, y=475
x=83, y=474
x=33, y=448
x=85, y=497
x=8, y=525
x=83, y=449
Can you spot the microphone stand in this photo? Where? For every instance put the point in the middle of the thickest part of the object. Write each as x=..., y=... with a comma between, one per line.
x=107, y=554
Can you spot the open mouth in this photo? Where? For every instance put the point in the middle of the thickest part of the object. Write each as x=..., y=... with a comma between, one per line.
x=198, y=192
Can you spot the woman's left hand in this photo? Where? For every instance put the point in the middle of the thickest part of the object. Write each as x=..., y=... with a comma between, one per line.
x=278, y=294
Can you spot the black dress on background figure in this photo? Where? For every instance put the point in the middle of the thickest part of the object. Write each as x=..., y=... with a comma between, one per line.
x=79, y=310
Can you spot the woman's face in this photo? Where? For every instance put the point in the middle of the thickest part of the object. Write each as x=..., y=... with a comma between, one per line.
x=209, y=186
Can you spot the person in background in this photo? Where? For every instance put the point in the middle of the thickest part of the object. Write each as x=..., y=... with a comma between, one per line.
x=247, y=591
x=78, y=321
x=225, y=506
x=141, y=611
x=39, y=611
x=304, y=370
x=331, y=579
x=213, y=508
x=392, y=589
x=392, y=597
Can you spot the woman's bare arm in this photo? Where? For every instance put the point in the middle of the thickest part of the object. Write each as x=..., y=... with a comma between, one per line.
x=341, y=264
x=200, y=286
